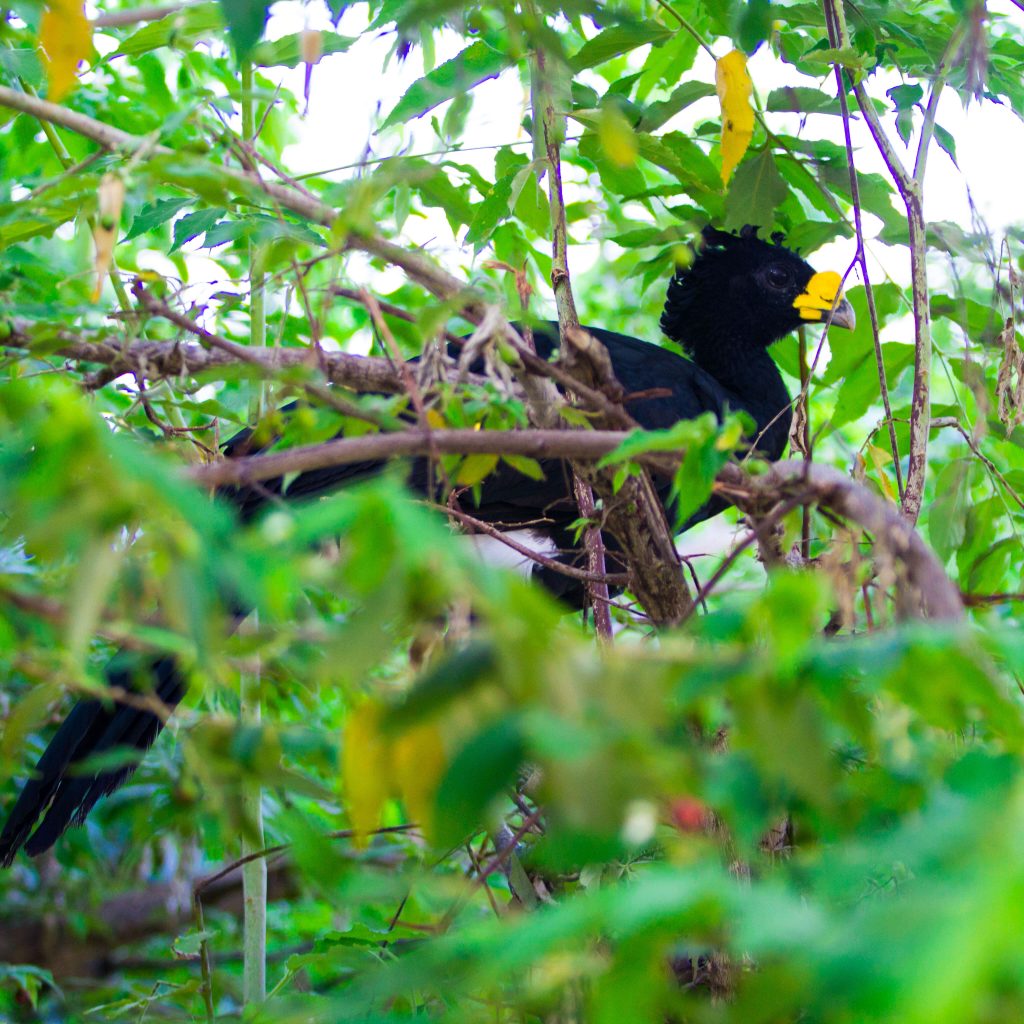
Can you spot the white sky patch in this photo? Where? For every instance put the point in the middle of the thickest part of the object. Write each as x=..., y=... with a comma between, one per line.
x=989, y=136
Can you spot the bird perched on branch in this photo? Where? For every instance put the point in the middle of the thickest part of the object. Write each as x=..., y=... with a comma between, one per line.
x=740, y=294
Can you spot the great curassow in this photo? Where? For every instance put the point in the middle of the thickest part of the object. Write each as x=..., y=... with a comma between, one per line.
x=740, y=294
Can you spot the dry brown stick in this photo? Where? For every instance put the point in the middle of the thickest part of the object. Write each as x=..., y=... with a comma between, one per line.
x=937, y=597
x=552, y=129
x=171, y=359
x=204, y=883
x=245, y=354
x=538, y=444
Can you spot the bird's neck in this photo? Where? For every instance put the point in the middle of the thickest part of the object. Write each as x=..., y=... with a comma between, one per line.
x=753, y=378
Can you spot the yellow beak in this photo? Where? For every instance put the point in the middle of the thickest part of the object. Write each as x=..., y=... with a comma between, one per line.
x=823, y=300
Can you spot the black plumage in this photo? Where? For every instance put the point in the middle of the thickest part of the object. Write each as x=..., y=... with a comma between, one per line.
x=740, y=294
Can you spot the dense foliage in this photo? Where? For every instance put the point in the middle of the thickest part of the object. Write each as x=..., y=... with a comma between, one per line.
x=804, y=803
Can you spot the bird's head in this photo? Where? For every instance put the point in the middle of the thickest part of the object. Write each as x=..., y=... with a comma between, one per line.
x=741, y=289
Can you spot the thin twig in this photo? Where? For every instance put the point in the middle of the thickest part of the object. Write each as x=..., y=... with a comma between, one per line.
x=611, y=579
x=861, y=255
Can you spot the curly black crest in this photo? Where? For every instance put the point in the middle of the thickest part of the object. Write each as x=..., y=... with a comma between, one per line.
x=738, y=292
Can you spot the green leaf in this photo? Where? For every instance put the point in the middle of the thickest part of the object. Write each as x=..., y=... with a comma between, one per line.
x=802, y=100
x=154, y=214
x=474, y=468
x=946, y=143
x=246, y=21
x=182, y=29
x=22, y=63
x=859, y=388
x=476, y=777
x=676, y=438
x=756, y=192
x=619, y=39
x=287, y=51
x=753, y=21
x=658, y=113
x=477, y=63
x=458, y=675
x=195, y=224
x=527, y=466
x=947, y=513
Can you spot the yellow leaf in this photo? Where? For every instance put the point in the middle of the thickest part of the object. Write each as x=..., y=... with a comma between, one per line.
x=617, y=138
x=435, y=420
x=364, y=769
x=418, y=762
x=734, y=91
x=882, y=460
x=474, y=468
x=65, y=36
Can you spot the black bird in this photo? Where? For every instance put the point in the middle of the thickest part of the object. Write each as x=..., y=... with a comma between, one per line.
x=740, y=294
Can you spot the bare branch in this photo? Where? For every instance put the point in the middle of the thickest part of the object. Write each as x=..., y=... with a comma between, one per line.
x=934, y=595
x=910, y=189
x=537, y=444
x=861, y=256
x=552, y=130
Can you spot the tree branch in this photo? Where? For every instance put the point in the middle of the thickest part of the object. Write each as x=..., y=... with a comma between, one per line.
x=910, y=189
x=930, y=591
x=552, y=130
x=861, y=255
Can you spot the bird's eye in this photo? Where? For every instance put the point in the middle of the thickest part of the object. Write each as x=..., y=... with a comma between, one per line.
x=778, y=277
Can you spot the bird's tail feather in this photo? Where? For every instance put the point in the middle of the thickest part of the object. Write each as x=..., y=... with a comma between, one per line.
x=58, y=792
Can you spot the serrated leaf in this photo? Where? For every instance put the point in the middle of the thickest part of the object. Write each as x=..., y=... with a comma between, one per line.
x=194, y=225
x=154, y=214
x=477, y=63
